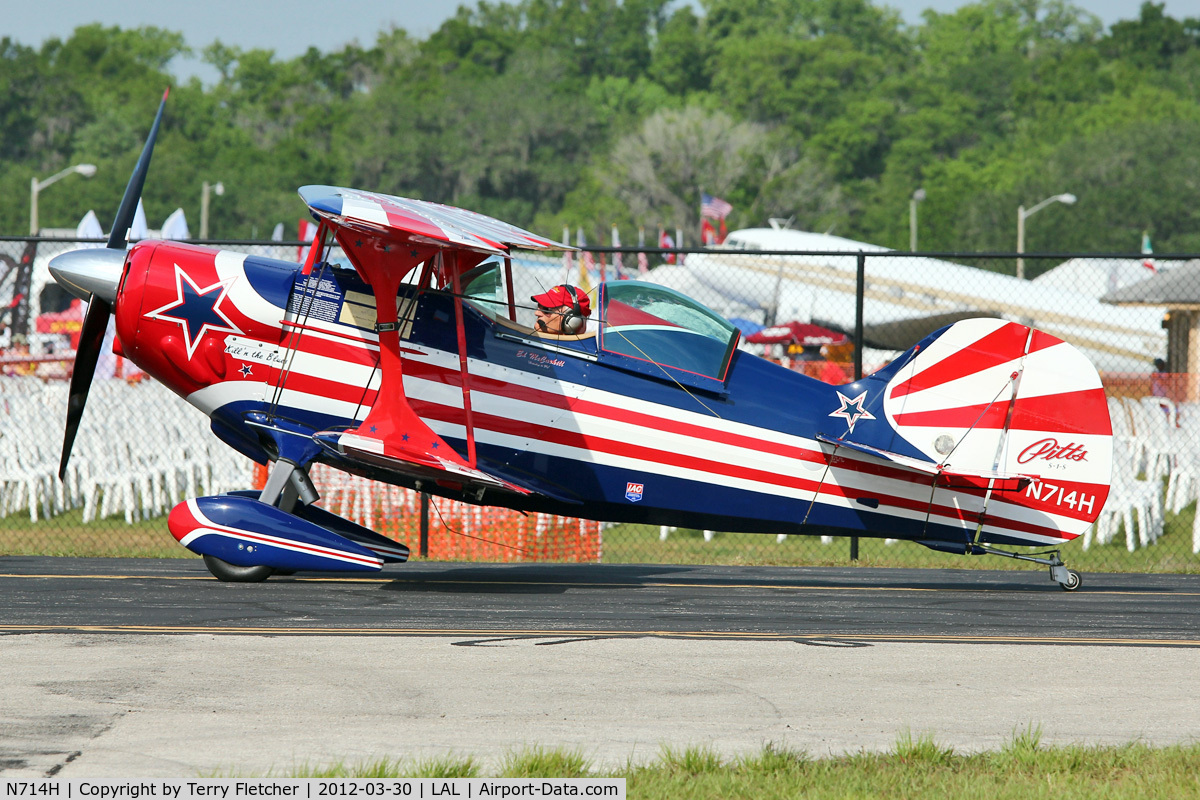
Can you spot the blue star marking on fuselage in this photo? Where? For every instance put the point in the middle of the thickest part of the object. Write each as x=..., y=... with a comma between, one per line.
x=852, y=410
x=246, y=370
x=196, y=310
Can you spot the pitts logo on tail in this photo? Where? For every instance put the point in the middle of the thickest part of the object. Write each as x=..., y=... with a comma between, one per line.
x=1048, y=449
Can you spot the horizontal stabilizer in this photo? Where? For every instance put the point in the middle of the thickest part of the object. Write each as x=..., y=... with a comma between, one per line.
x=943, y=476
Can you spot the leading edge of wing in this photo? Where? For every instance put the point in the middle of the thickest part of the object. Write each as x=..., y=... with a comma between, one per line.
x=421, y=219
x=425, y=465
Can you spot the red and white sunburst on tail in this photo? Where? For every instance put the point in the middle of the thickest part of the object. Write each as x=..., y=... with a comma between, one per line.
x=990, y=396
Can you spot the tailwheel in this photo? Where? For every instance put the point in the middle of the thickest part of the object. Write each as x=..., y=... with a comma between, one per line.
x=1068, y=579
x=231, y=573
x=1072, y=582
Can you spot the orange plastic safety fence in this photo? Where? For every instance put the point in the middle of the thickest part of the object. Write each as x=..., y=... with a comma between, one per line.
x=457, y=531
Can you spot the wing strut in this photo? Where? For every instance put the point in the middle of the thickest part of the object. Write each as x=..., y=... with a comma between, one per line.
x=318, y=245
x=452, y=257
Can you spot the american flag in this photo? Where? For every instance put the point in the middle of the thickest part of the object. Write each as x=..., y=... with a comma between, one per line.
x=713, y=207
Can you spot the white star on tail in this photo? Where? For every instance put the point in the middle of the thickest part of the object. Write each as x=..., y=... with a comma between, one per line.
x=852, y=410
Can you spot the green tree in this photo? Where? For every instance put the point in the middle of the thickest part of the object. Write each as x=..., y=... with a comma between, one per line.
x=1153, y=40
x=661, y=170
x=682, y=59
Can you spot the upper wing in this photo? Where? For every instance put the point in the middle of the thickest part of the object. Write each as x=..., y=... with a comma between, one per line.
x=421, y=221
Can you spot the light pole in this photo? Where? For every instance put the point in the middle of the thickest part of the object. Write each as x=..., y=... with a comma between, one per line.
x=219, y=188
x=1065, y=198
x=36, y=186
x=917, y=197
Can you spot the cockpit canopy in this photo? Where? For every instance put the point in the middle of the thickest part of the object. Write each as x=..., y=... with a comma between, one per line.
x=641, y=327
x=665, y=334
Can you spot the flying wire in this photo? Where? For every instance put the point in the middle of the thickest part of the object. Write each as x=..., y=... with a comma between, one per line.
x=310, y=287
x=669, y=375
x=446, y=525
x=979, y=418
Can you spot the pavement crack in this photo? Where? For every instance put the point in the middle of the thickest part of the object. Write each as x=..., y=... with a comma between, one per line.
x=50, y=773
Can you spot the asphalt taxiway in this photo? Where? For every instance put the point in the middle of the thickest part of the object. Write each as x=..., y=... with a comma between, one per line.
x=153, y=668
x=851, y=604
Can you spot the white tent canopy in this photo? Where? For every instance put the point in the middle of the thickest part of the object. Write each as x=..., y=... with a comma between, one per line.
x=911, y=289
x=1095, y=277
x=175, y=227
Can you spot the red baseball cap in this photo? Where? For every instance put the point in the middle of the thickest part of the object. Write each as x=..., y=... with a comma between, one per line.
x=560, y=295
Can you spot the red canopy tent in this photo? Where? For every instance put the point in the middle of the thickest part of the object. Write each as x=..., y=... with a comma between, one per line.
x=801, y=333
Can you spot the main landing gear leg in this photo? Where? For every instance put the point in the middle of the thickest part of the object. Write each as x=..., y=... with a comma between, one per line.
x=286, y=484
x=1068, y=579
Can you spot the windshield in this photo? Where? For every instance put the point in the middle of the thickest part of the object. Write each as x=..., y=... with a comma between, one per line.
x=483, y=287
x=660, y=326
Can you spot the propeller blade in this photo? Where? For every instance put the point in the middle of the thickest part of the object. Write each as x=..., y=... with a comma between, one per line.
x=133, y=190
x=95, y=323
x=91, y=339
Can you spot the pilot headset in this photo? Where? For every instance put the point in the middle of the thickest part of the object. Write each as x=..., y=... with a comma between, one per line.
x=573, y=320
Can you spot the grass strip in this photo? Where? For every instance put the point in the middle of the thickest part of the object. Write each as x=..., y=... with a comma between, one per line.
x=918, y=766
x=67, y=535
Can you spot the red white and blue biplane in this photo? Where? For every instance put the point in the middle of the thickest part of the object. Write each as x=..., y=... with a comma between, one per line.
x=410, y=367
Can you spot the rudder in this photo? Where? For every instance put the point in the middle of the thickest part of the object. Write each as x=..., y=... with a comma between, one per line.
x=991, y=396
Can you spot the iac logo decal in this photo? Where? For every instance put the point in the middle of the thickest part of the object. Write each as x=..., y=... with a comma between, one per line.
x=633, y=492
x=852, y=410
x=196, y=310
x=1048, y=449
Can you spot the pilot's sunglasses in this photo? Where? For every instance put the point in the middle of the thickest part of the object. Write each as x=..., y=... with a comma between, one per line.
x=544, y=309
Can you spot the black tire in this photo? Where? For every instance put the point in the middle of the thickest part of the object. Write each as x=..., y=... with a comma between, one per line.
x=1073, y=581
x=231, y=573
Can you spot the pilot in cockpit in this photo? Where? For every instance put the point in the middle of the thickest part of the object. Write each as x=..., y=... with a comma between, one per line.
x=563, y=310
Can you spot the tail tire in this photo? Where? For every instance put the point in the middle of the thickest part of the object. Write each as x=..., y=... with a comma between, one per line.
x=1073, y=581
x=231, y=573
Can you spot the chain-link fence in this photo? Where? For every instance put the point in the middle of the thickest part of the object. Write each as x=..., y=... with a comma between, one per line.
x=141, y=449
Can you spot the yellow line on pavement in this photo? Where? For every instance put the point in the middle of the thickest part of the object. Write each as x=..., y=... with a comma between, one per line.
x=831, y=638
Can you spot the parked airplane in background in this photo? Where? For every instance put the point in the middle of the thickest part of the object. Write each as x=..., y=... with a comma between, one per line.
x=907, y=298
x=416, y=368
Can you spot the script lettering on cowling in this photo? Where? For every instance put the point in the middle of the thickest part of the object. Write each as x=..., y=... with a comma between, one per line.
x=254, y=351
